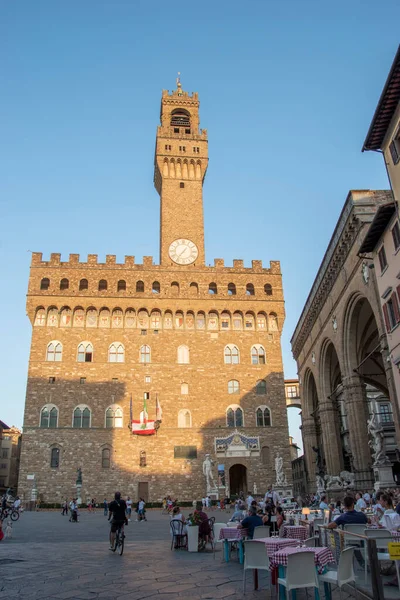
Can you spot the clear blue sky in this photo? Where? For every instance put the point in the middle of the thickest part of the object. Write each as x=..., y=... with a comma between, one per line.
x=287, y=91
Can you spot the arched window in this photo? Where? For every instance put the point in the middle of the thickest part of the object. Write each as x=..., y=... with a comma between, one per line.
x=81, y=417
x=249, y=289
x=261, y=387
x=231, y=355
x=49, y=416
x=183, y=355
x=184, y=418
x=175, y=288
x=193, y=289
x=121, y=285
x=113, y=417
x=116, y=353
x=145, y=354
x=54, y=351
x=139, y=287
x=249, y=321
x=83, y=285
x=212, y=288
x=231, y=289
x=225, y=320
x=263, y=416
x=268, y=289
x=155, y=287
x=85, y=352
x=55, y=458
x=45, y=283
x=102, y=285
x=180, y=118
x=64, y=284
x=261, y=321
x=257, y=355
x=184, y=389
x=265, y=455
x=105, y=458
x=234, y=416
x=233, y=386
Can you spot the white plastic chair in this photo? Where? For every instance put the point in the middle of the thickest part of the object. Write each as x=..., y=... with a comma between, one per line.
x=300, y=572
x=311, y=542
x=255, y=557
x=344, y=573
x=353, y=540
x=261, y=532
x=217, y=531
x=382, y=537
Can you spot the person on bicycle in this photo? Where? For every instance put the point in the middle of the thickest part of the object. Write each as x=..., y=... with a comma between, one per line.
x=116, y=510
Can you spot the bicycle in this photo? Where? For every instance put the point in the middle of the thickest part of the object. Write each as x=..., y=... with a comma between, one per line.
x=13, y=513
x=119, y=539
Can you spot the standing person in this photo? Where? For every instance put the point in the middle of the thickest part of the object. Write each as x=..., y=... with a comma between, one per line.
x=203, y=502
x=129, y=507
x=90, y=506
x=94, y=504
x=249, y=500
x=105, y=506
x=65, y=508
x=116, y=510
x=275, y=498
x=360, y=504
x=207, y=499
x=142, y=510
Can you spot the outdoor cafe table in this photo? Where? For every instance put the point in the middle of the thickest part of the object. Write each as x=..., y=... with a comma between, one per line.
x=322, y=557
x=273, y=544
x=299, y=532
x=230, y=534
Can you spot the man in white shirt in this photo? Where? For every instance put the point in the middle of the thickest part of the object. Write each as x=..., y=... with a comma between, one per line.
x=360, y=504
x=17, y=503
x=276, y=498
x=323, y=505
x=249, y=500
x=129, y=507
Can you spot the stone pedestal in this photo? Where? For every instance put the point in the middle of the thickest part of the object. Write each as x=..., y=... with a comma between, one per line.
x=383, y=477
x=335, y=493
x=284, y=491
x=78, y=493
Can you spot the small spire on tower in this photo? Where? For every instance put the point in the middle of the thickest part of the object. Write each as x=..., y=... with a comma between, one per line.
x=178, y=84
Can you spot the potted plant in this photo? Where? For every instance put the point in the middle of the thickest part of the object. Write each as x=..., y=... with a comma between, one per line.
x=193, y=522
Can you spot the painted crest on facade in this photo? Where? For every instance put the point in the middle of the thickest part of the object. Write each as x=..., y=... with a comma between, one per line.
x=237, y=444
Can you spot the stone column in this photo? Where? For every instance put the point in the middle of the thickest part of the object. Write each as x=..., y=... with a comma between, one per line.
x=331, y=437
x=357, y=416
x=309, y=435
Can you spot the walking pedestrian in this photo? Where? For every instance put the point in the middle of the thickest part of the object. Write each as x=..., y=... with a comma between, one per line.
x=105, y=506
x=65, y=508
x=129, y=507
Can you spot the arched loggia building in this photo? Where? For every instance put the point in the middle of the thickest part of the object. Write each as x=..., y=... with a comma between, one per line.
x=340, y=348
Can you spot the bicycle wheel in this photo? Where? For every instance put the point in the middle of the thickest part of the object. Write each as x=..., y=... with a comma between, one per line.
x=121, y=543
x=14, y=515
x=116, y=541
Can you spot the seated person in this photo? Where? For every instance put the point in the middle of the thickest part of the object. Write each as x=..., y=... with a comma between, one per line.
x=204, y=527
x=250, y=522
x=238, y=514
x=178, y=516
x=349, y=517
x=280, y=517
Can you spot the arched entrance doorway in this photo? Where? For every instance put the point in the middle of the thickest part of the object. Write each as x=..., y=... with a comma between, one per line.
x=238, y=479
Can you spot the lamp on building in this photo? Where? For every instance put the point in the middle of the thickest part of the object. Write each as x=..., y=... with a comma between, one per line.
x=305, y=511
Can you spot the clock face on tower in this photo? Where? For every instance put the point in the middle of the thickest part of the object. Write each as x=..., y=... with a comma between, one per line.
x=183, y=252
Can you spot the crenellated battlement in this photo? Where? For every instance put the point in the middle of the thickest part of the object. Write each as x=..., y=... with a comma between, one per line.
x=148, y=263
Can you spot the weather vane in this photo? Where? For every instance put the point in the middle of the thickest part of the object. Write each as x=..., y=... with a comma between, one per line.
x=178, y=84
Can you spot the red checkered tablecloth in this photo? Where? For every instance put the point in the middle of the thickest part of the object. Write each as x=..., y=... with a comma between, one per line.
x=396, y=535
x=273, y=544
x=230, y=533
x=299, y=532
x=322, y=556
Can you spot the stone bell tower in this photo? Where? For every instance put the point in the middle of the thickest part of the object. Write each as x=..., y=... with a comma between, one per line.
x=180, y=165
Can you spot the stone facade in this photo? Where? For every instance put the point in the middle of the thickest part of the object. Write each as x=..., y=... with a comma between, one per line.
x=197, y=339
x=340, y=346
x=10, y=449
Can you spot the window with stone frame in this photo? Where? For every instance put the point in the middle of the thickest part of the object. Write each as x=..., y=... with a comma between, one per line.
x=105, y=458
x=257, y=355
x=81, y=417
x=49, y=417
x=396, y=235
x=54, y=351
x=184, y=389
x=85, y=352
x=121, y=285
x=212, y=289
x=268, y=289
x=385, y=413
x=382, y=258
x=155, y=287
x=231, y=355
x=145, y=354
x=263, y=416
x=234, y=416
x=114, y=417
x=184, y=418
x=116, y=353
x=261, y=387
x=83, y=285
x=391, y=312
x=139, y=287
x=249, y=289
x=231, y=289
x=233, y=386
x=183, y=355
x=45, y=284
x=55, y=458
x=64, y=284
x=394, y=147
x=103, y=285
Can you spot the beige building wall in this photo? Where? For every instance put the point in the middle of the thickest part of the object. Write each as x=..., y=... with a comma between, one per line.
x=393, y=168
